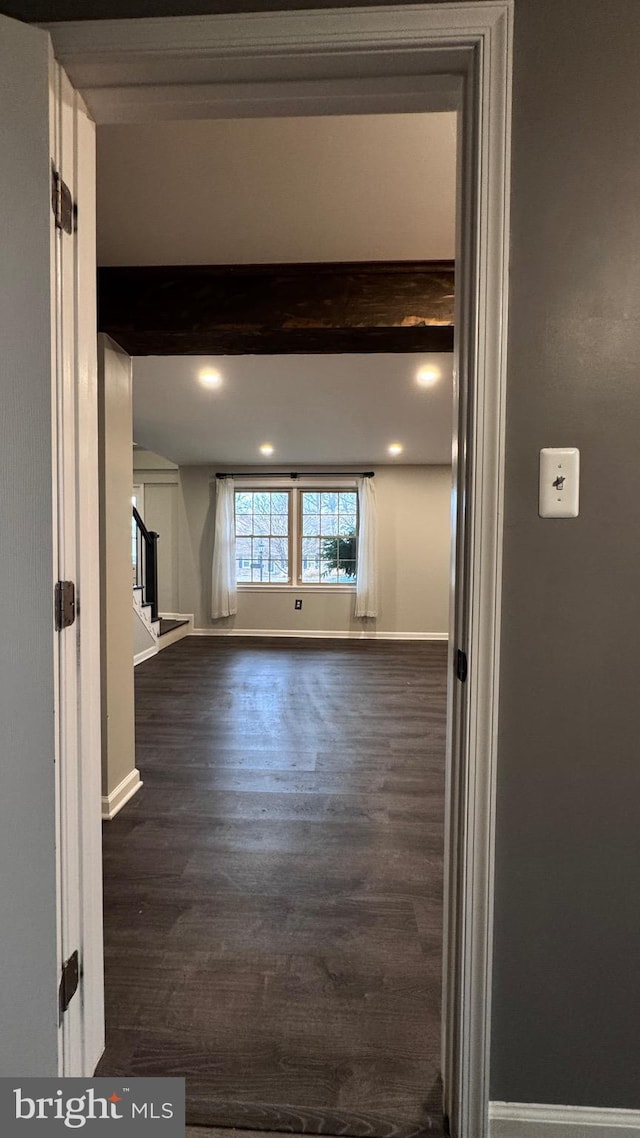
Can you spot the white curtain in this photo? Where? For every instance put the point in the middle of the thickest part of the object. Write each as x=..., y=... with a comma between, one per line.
x=223, y=582
x=366, y=582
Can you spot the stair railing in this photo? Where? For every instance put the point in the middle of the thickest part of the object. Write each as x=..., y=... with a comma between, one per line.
x=146, y=564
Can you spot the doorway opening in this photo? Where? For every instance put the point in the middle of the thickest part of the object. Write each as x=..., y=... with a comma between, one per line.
x=481, y=345
x=279, y=939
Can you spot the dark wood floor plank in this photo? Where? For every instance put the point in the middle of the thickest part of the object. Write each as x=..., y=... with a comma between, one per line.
x=273, y=896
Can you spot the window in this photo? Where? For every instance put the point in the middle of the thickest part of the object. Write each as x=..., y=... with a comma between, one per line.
x=329, y=523
x=303, y=536
x=262, y=536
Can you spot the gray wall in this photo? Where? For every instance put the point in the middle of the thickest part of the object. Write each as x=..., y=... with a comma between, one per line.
x=566, y=983
x=414, y=535
x=28, y=980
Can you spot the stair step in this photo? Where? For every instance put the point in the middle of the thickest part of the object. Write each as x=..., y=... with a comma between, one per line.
x=168, y=625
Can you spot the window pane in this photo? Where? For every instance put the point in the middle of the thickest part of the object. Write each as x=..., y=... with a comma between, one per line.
x=346, y=524
x=262, y=502
x=347, y=571
x=311, y=571
x=260, y=549
x=327, y=547
x=244, y=502
x=328, y=573
x=262, y=526
x=348, y=502
x=279, y=560
x=328, y=502
x=279, y=547
x=280, y=503
x=328, y=524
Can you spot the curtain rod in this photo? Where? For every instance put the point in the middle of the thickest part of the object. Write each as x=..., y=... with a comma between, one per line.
x=292, y=474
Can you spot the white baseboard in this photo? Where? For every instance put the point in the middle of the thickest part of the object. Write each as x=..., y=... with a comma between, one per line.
x=536, y=1120
x=146, y=654
x=125, y=790
x=320, y=634
x=168, y=637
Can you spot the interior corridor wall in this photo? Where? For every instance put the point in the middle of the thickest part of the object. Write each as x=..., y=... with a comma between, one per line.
x=414, y=504
x=566, y=987
x=114, y=438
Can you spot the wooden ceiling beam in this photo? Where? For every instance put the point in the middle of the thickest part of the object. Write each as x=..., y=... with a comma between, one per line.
x=404, y=306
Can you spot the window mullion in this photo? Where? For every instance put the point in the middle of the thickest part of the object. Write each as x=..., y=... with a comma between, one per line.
x=295, y=530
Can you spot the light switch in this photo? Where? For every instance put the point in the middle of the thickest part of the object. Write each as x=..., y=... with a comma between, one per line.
x=559, y=482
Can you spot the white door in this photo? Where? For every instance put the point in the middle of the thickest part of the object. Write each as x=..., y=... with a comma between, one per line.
x=49, y=695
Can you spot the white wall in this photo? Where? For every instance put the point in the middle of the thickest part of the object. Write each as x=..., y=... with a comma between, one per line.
x=413, y=537
x=114, y=427
x=142, y=638
x=244, y=191
x=161, y=515
x=161, y=481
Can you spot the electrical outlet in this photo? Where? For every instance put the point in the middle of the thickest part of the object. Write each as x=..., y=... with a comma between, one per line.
x=297, y=604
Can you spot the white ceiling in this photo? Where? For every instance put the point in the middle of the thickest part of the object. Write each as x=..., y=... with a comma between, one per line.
x=353, y=188
x=326, y=409
x=333, y=188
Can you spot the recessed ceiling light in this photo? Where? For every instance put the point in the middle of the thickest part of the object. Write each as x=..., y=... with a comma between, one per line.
x=426, y=376
x=395, y=448
x=266, y=448
x=210, y=378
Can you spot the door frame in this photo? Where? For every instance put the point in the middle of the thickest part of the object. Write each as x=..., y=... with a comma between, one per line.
x=76, y=558
x=367, y=60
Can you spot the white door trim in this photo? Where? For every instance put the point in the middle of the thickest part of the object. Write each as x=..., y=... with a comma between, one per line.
x=387, y=59
x=75, y=483
x=89, y=593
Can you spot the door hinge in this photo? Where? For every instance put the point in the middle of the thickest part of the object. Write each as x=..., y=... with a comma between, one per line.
x=69, y=982
x=62, y=203
x=462, y=666
x=64, y=604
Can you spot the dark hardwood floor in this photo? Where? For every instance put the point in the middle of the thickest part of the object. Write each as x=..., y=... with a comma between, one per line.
x=273, y=894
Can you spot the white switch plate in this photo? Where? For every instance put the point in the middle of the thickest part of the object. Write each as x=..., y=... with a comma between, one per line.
x=559, y=491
